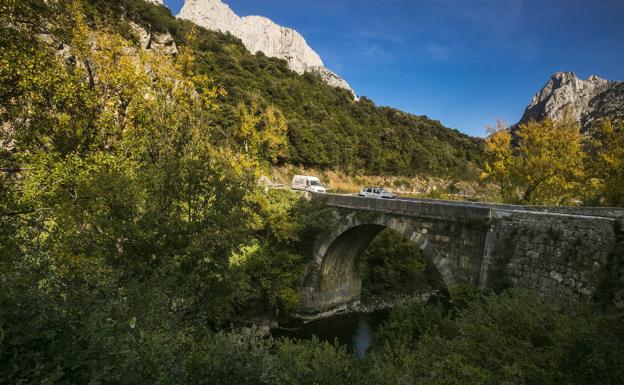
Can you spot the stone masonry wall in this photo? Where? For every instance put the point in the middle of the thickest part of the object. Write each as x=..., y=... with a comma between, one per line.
x=461, y=242
x=553, y=253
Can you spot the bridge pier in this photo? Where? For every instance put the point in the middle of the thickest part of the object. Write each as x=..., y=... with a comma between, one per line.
x=488, y=251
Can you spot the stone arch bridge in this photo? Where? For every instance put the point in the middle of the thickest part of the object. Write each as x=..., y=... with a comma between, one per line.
x=556, y=250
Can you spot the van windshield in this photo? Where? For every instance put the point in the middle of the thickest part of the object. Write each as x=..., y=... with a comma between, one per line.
x=315, y=183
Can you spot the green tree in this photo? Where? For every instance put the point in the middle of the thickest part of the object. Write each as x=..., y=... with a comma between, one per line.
x=605, y=147
x=392, y=263
x=263, y=134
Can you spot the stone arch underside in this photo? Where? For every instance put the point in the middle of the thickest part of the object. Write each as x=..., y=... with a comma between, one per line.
x=336, y=280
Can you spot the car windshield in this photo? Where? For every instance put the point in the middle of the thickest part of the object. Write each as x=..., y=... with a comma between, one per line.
x=315, y=183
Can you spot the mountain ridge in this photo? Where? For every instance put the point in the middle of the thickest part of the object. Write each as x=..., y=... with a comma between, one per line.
x=587, y=101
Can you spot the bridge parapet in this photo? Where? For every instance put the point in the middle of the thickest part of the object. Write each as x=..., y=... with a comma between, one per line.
x=422, y=209
x=460, y=209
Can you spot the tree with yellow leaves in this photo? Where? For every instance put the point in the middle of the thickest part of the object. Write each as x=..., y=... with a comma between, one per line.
x=537, y=163
x=605, y=147
x=263, y=132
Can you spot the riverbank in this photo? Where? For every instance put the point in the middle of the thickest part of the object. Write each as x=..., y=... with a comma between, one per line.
x=367, y=304
x=356, y=325
x=375, y=303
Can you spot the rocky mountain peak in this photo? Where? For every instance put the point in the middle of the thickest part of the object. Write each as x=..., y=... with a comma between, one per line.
x=587, y=100
x=259, y=33
x=211, y=14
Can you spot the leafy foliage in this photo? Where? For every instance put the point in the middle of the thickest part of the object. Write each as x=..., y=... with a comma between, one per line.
x=110, y=158
x=606, y=164
x=516, y=337
x=539, y=163
x=551, y=163
x=392, y=263
x=262, y=134
x=274, y=259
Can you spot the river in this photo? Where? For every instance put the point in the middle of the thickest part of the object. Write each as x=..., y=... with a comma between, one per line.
x=355, y=330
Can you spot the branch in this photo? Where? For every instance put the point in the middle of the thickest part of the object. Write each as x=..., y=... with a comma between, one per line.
x=538, y=182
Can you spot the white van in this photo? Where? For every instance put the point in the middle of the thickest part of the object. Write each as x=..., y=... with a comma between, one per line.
x=307, y=183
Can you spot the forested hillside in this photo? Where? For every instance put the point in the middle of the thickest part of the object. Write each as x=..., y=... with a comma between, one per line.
x=326, y=128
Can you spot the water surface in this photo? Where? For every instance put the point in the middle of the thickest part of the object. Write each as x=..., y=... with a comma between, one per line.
x=355, y=330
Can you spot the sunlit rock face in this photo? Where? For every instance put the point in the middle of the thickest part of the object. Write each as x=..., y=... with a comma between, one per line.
x=585, y=100
x=212, y=14
x=159, y=2
x=261, y=34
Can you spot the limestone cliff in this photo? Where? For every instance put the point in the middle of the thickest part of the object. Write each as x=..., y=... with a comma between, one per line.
x=261, y=34
x=587, y=100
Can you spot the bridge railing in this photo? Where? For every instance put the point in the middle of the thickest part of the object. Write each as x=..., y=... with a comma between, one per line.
x=458, y=209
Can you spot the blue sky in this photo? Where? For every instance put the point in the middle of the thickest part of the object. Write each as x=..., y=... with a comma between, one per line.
x=463, y=62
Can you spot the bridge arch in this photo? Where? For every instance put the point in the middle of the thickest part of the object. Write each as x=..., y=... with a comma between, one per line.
x=337, y=281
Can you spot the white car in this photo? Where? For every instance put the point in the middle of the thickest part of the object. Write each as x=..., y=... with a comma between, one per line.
x=377, y=192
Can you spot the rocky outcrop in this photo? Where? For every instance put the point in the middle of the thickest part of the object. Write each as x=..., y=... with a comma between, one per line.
x=331, y=78
x=157, y=2
x=261, y=34
x=159, y=42
x=586, y=100
x=608, y=104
